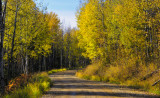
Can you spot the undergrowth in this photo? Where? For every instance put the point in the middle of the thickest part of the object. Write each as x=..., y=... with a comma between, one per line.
x=28, y=86
x=128, y=72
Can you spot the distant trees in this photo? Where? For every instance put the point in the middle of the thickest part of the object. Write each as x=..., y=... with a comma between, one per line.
x=72, y=52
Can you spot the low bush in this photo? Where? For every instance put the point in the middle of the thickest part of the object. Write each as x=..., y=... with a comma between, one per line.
x=94, y=72
x=18, y=82
x=36, y=86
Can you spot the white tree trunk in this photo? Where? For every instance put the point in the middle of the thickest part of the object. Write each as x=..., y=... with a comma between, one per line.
x=26, y=64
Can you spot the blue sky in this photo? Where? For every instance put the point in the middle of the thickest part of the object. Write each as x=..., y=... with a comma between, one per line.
x=66, y=10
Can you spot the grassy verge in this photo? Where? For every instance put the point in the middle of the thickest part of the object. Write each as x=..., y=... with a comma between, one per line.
x=30, y=86
x=36, y=85
x=56, y=70
x=127, y=72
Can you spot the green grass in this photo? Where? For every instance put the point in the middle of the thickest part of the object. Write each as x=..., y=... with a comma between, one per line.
x=56, y=70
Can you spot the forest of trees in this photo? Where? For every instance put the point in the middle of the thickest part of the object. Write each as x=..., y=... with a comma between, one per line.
x=32, y=40
x=113, y=29
x=122, y=38
x=114, y=33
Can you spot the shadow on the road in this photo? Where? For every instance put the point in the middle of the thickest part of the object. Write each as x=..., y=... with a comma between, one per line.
x=73, y=81
x=67, y=80
x=70, y=80
x=76, y=86
x=60, y=93
x=72, y=73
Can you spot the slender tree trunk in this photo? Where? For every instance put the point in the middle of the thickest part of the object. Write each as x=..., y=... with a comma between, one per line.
x=49, y=61
x=22, y=64
x=2, y=29
x=1, y=48
x=61, y=58
x=66, y=60
x=53, y=58
x=62, y=51
x=44, y=63
x=41, y=63
x=39, y=59
x=26, y=64
x=11, y=65
x=69, y=63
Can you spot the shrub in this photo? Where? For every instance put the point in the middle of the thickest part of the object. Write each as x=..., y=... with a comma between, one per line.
x=79, y=74
x=92, y=72
x=95, y=78
x=17, y=83
x=91, y=69
x=37, y=84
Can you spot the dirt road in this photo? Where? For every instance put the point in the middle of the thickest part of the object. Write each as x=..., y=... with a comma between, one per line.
x=66, y=85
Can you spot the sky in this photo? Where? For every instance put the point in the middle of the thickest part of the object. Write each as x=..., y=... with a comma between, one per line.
x=65, y=9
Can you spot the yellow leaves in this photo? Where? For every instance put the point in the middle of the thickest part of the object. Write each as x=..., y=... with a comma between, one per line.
x=35, y=29
x=53, y=21
x=90, y=25
x=118, y=9
x=103, y=28
x=33, y=54
x=46, y=47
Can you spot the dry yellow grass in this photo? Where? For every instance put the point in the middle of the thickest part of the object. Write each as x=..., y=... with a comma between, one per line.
x=128, y=72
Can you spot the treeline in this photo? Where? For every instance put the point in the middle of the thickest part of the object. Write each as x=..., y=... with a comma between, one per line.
x=32, y=40
x=122, y=38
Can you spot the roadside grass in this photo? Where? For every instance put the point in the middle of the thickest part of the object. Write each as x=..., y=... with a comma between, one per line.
x=36, y=85
x=56, y=70
x=30, y=86
x=129, y=72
